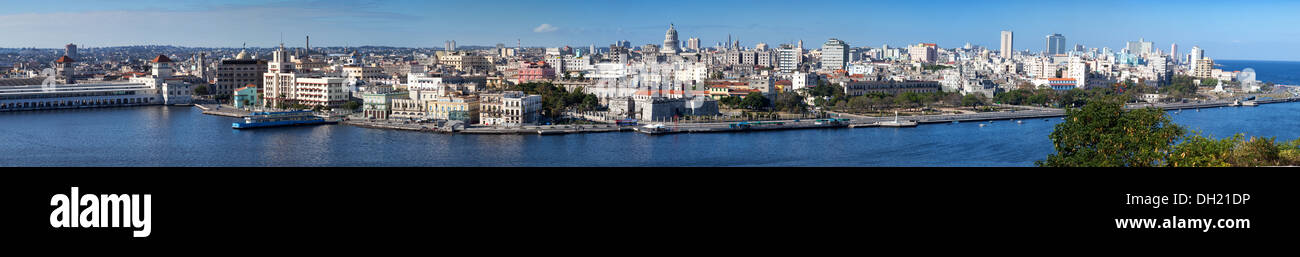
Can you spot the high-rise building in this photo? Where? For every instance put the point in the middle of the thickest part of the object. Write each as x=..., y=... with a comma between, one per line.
x=671, y=45
x=71, y=51
x=788, y=58
x=450, y=45
x=1140, y=47
x=1173, y=52
x=1195, y=57
x=1007, y=45
x=835, y=54
x=693, y=44
x=1055, y=44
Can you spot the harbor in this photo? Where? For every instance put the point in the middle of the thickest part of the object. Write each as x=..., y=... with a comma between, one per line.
x=839, y=120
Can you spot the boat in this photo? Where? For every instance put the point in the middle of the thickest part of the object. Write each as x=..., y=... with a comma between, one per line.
x=896, y=123
x=1249, y=103
x=653, y=128
x=1235, y=103
x=278, y=119
x=1020, y=122
x=982, y=125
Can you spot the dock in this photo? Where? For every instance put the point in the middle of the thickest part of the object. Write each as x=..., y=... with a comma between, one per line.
x=218, y=110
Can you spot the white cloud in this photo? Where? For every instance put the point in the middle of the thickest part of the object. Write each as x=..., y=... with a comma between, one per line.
x=545, y=28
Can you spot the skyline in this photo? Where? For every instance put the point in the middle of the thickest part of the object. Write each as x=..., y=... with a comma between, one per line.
x=1244, y=31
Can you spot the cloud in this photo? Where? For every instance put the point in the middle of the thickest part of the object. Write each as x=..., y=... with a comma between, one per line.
x=545, y=28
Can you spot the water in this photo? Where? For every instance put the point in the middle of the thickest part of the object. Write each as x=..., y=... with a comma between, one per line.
x=182, y=136
x=1279, y=72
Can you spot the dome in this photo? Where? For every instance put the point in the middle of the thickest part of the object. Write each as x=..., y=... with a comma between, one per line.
x=243, y=55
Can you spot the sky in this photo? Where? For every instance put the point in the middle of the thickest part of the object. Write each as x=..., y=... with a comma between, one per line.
x=1244, y=30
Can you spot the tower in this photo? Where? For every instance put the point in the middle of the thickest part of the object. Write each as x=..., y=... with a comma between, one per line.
x=64, y=70
x=162, y=68
x=1008, y=44
x=200, y=66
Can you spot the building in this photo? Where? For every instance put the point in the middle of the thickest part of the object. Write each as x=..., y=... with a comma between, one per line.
x=466, y=62
x=1055, y=44
x=835, y=54
x=278, y=80
x=247, y=96
x=46, y=92
x=924, y=52
x=693, y=44
x=366, y=73
x=173, y=90
x=1062, y=84
x=1141, y=47
x=65, y=70
x=463, y=108
x=378, y=105
x=509, y=109
x=237, y=73
x=323, y=92
x=671, y=45
x=1195, y=56
x=1008, y=46
x=857, y=88
x=1204, y=68
x=788, y=58
x=70, y=50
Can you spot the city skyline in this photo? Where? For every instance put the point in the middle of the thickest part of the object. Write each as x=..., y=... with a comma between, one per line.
x=1235, y=34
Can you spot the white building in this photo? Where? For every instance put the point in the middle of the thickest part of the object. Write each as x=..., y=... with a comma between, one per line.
x=835, y=54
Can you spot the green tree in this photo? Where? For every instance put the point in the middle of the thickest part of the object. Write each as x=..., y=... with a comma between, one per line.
x=350, y=105
x=1200, y=151
x=201, y=90
x=1258, y=151
x=971, y=100
x=754, y=101
x=790, y=102
x=1102, y=134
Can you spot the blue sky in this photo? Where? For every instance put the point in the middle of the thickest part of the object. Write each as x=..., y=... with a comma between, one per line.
x=1256, y=30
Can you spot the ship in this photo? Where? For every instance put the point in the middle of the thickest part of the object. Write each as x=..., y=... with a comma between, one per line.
x=278, y=119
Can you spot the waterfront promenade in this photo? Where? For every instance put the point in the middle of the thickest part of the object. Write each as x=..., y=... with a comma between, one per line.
x=855, y=121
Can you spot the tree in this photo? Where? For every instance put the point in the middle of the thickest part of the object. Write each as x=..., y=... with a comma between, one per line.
x=350, y=105
x=1200, y=151
x=754, y=101
x=972, y=100
x=1103, y=134
x=790, y=102
x=201, y=90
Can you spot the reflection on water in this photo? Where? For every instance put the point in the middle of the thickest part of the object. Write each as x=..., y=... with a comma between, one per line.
x=182, y=136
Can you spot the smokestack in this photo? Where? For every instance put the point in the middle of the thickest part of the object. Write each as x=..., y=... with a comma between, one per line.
x=308, y=45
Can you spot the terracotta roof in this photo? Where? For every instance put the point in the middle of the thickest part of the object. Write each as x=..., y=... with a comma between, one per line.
x=162, y=58
x=65, y=59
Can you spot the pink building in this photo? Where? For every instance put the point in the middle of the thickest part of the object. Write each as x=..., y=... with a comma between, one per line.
x=535, y=71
